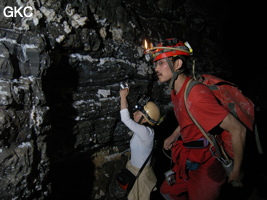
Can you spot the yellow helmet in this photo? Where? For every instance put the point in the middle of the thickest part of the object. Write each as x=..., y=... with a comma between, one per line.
x=151, y=113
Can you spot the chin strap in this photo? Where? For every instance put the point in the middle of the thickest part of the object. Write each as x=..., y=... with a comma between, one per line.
x=174, y=73
x=140, y=120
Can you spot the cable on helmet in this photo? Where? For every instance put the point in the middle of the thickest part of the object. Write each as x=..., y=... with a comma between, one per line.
x=168, y=48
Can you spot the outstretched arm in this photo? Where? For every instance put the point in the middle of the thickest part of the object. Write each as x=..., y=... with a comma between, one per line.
x=123, y=94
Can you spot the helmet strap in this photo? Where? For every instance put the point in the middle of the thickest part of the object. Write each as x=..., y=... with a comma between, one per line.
x=140, y=120
x=148, y=117
x=174, y=73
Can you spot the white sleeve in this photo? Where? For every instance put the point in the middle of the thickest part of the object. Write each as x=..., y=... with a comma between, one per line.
x=142, y=131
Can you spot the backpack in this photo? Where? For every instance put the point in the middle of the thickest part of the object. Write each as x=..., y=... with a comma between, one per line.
x=231, y=98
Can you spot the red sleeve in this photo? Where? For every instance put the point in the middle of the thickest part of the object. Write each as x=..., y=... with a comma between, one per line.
x=205, y=107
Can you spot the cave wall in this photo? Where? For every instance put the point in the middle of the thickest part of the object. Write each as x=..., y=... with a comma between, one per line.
x=60, y=130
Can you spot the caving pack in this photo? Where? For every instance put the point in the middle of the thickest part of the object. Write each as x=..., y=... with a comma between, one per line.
x=231, y=98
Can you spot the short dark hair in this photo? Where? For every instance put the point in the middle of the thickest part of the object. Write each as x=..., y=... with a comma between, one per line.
x=185, y=63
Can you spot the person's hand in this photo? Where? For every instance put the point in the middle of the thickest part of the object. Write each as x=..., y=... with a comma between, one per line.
x=168, y=143
x=235, y=178
x=124, y=92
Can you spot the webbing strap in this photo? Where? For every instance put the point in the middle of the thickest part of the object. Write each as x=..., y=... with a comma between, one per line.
x=219, y=149
x=191, y=116
x=174, y=73
x=143, y=166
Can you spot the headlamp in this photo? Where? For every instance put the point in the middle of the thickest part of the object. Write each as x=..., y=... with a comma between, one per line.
x=149, y=57
x=189, y=47
x=138, y=107
x=141, y=103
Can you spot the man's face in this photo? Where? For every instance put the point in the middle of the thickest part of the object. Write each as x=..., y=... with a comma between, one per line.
x=163, y=70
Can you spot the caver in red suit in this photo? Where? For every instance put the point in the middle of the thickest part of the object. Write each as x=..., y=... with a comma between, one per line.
x=204, y=179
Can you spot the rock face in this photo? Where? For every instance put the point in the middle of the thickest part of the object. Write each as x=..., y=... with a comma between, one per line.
x=60, y=69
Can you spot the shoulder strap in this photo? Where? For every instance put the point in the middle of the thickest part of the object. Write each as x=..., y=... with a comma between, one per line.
x=208, y=136
x=143, y=166
x=189, y=86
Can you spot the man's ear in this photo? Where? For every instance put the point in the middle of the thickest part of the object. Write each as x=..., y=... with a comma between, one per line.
x=177, y=64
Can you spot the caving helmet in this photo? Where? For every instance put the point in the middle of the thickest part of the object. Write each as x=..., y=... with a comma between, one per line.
x=149, y=110
x=151, y=113
x=168, y=48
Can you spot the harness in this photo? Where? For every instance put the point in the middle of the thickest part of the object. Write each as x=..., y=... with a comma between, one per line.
x=200, y=143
